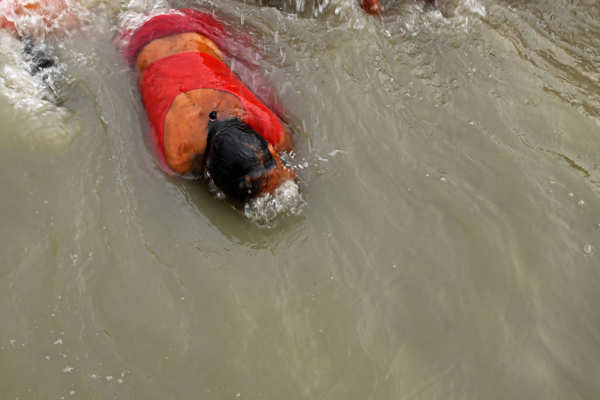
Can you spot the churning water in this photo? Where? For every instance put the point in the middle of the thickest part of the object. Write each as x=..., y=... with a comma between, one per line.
x=443, y=241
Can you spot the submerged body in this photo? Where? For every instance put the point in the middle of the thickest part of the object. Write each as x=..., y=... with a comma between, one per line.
x=183, y=78
x=442, y=254
x=187, y=88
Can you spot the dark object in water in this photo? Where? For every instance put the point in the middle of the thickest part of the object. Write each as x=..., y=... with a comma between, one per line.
x=38, y=57
x=43, y=65
x=41, y=60
x=237, y=158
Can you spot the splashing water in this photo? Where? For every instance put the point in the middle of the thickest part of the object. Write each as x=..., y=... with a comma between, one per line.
x=266, y=209
x=285, y=201
x=35, y=95
x=136, y=13
x=463, y=9
x=58, y=17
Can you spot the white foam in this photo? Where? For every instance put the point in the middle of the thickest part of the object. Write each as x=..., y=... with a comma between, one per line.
x=462, y=10
x=57, y=17
x=33, y=96
x=137, y=13
x=475, y=7
x=285, y=201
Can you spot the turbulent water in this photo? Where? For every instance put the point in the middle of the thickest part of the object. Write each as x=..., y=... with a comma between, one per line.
x=444, y=242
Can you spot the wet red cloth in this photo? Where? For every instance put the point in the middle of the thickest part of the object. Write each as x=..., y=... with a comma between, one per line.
x=166, y=78
x=187, y=20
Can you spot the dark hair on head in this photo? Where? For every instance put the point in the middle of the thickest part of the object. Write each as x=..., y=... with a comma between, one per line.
x=236, y=156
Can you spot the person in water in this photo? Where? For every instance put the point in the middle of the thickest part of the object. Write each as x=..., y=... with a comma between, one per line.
x=202, y=117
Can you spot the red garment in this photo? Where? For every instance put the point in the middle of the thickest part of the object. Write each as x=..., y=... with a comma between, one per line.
x=171, y=24
x=166, y=78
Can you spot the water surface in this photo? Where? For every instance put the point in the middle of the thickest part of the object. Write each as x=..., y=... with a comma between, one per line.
x=448, y=249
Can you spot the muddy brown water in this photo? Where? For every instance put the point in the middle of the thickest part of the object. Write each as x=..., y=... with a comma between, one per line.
x=449, y=246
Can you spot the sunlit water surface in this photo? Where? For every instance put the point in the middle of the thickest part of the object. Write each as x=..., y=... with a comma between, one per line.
x=444, y=242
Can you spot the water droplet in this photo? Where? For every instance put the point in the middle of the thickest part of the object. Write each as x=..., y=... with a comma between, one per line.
x=587, y=249
x=581, y=203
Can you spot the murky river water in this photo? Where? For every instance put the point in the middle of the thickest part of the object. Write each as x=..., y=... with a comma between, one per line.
x=449, y=247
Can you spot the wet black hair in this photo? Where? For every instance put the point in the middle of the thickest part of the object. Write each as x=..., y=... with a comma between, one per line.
x=236, y=156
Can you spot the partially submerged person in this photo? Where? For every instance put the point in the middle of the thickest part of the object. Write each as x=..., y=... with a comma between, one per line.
x=203, y=118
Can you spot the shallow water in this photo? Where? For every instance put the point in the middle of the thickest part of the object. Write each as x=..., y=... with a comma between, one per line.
x=449, y=245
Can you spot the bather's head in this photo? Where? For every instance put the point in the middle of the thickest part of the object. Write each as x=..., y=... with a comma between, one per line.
x=241, y=162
